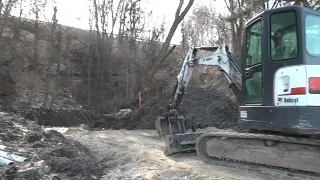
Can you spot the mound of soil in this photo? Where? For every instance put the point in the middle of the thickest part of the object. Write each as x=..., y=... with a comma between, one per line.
x=208, y=103
x=202, y=107
x=49, y=154
x=210, y=109
x=7, y=89
x=55, y=116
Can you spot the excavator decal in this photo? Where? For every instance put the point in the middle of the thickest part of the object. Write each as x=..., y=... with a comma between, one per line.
x=243, y=114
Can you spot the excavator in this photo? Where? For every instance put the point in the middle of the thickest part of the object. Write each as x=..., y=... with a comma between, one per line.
x=278, y=88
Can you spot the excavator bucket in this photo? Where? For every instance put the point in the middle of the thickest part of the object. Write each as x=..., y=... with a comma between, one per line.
x=177, y=143
x=172, y=129
x=168, y=125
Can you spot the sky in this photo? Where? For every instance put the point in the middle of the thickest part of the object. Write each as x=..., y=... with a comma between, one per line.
x=75, y=13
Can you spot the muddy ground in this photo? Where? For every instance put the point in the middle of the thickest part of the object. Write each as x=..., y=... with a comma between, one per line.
x=49, y=154
x=138, y=154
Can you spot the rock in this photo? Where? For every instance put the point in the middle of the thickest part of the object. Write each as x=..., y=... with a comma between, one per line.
x=42, y=167
x=10, y=172
x=38, y=145
x=34, y=137
x=124, y=112
x=55, y=177
x=27, y=172
x=35, y=170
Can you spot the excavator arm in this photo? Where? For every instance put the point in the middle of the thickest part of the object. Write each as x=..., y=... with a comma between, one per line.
x=219, y=56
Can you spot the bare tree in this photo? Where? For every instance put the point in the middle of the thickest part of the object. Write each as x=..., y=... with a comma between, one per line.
x=33, y=67
x=90, y=56
x=102, y=13
x=5, y=15
x=165, y=51
x=36, y=11
x=57, y=82
x=52, y=55
x=200, y=28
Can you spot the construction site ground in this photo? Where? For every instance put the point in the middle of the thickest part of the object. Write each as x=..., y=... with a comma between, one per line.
x=55, y=153
x=73, y=151
x=138, y=154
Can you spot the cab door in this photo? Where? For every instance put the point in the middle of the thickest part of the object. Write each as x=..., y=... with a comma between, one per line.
x=253, y=86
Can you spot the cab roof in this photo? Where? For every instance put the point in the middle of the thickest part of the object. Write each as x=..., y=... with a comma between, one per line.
x=284, y=8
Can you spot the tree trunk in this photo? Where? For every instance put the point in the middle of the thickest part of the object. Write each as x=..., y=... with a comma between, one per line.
x=4, y=17
x=52, y=57
x=57, y=81
x=164, y=49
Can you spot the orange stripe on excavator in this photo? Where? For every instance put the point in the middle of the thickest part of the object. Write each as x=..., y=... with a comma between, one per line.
x=296, y=91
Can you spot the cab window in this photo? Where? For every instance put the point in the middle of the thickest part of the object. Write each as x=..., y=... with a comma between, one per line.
x=253, y=84
x=312, y=30
x=284, y=36
x=254, y=44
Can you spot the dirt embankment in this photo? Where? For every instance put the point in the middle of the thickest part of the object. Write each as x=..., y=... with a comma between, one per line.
x=202, y=107
x=208, y=102
x=49, y=154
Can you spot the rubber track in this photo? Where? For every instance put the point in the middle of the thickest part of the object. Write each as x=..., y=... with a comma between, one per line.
x=201, y=152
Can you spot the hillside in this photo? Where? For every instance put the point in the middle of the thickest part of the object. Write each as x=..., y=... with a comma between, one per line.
x=61, y=81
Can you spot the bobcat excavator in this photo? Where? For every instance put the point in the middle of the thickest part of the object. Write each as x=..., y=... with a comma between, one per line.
x=279, y=95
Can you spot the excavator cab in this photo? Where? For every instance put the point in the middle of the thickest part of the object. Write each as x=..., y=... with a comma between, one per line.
x=281, y=78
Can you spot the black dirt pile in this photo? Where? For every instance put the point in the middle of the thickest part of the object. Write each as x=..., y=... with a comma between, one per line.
x=49, y=154
x=208, y=103
x=7, y=88
x=57, y=117
x=202, y=107
x=209, y=108
x=63, y=116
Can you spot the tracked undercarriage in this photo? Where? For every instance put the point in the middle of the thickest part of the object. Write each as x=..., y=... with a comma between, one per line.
x=275, y=151
x=279, y=151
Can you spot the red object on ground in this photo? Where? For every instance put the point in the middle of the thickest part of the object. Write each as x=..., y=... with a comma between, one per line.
x=140, y=104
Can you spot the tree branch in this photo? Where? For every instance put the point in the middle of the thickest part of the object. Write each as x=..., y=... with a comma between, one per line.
x=275, y=3
x=186, y=9
x=168, y=53
x=225, y=1
x=179, y=9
